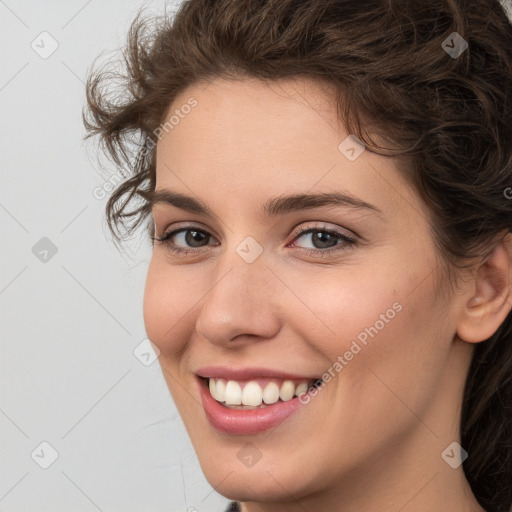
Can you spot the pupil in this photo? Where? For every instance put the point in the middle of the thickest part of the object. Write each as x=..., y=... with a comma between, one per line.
x=322, y=237
x=194, y=236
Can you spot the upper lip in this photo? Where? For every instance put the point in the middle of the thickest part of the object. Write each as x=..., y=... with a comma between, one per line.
x=247, y=373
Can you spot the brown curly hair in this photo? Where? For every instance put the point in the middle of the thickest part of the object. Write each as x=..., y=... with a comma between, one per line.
x=448, y=117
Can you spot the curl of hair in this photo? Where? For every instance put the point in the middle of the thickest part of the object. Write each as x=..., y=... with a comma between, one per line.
x=447, y=119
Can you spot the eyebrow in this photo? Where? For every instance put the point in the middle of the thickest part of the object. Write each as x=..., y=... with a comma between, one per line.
x=272, y=208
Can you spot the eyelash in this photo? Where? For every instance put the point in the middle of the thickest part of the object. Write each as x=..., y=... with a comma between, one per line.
x=349, y=241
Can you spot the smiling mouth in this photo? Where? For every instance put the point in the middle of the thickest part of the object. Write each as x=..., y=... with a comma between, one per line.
x=256, y=393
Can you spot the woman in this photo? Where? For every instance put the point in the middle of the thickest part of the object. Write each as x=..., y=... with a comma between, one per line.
x=325, y=184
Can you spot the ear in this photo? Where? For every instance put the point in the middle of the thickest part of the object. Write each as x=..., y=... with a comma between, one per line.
x=488, y=299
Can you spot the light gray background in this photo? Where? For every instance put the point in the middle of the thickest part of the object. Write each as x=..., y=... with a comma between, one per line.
x=70, y=323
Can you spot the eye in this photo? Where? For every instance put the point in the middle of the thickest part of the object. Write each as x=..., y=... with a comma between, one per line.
x=188, y=234
x=325, y=240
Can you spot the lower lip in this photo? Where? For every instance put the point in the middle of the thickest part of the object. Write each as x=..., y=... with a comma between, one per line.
x=239, y=421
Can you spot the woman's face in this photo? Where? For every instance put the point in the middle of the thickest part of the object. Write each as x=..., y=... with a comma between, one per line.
x=253, y=300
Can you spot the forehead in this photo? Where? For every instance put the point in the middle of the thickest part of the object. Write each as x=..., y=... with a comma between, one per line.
x=312, y=93
x=279, y=113
x=261, y=139
x=249, y=126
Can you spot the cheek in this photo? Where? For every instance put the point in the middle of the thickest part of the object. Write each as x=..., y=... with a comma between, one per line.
x=344, y=306
x=404, y=351
x=166, y=306
x=377, y=321
x=391, y=352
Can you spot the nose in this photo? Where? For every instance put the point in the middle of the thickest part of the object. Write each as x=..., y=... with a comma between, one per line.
x=240, y=305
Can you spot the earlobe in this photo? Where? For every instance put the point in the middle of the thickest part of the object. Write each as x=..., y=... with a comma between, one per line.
x=489, y=297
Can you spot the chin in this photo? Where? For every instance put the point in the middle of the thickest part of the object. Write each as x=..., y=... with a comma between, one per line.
x=252, y=484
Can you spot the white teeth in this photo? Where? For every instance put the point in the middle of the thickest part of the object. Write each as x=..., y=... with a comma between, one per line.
x=220, y=389
x=287, y=390
x=233, y=393
x=211, y=385
x=252, y=395
x=301, y=388
x=271, y=393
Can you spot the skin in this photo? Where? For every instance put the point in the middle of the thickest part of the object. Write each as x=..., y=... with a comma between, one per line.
x=372, y=438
